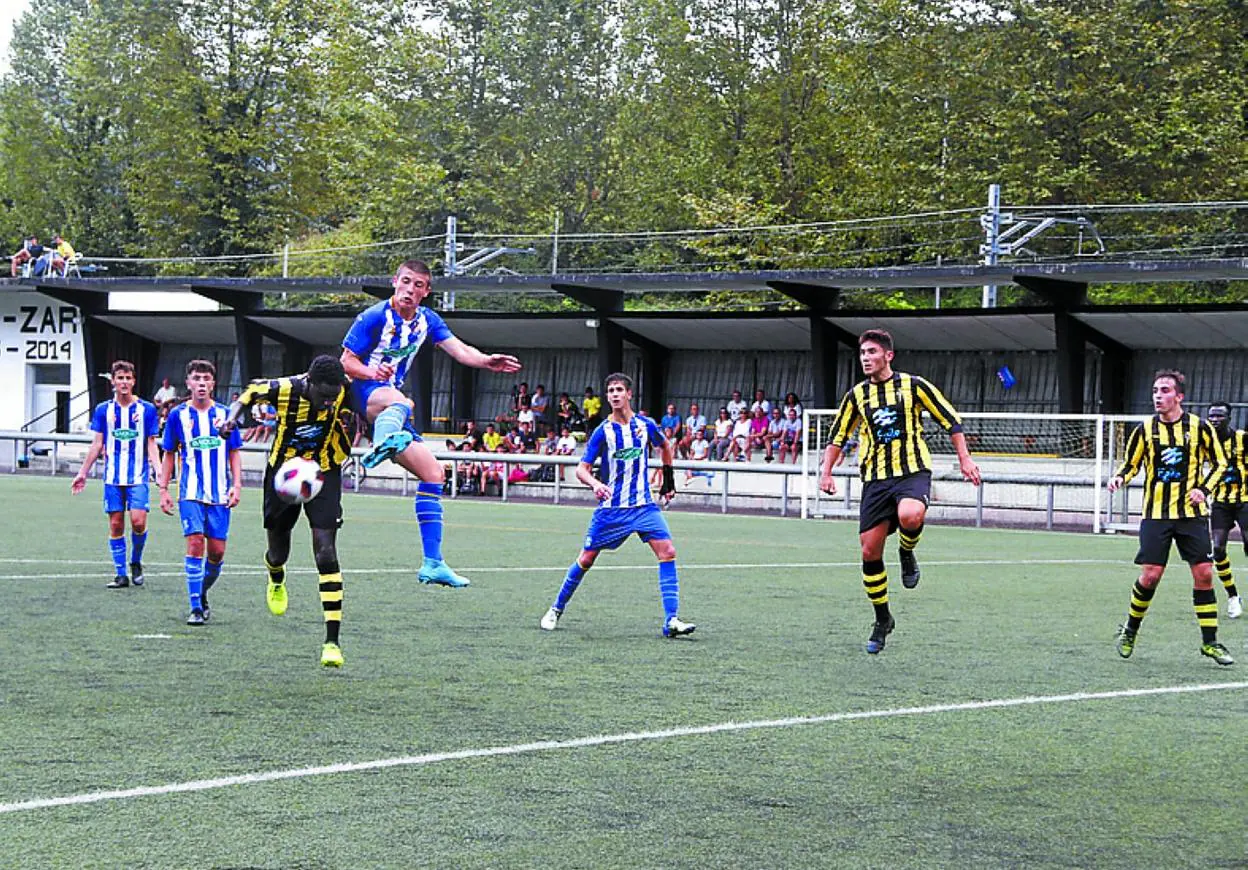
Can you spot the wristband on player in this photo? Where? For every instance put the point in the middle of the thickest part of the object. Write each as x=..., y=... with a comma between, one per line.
x=669, y=481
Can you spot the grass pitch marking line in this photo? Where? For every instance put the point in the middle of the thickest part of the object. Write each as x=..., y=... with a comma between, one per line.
x=528, y=569
x=601, y=740
x=152, y=636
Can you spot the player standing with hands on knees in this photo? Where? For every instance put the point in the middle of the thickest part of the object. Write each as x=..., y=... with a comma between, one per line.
x=377, y=352
x=895, y=465
x=625, y=506
x=125, y=430
x=1173, y=448
x=309, y=425
x=209, y=482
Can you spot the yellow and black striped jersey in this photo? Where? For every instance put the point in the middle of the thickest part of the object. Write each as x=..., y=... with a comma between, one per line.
x=892, y=443
x=1173, y=457
x=1232, y=487
x=301, y=429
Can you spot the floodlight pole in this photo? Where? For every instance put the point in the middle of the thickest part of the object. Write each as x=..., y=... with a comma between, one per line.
x=991, y=249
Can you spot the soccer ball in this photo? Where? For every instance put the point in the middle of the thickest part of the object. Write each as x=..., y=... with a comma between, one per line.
x=298, y=480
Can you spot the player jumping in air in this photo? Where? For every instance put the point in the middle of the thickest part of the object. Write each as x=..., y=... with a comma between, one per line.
x=125, y=432
x=894, y=463
x=1230, y=501
x=625, y=505
x=308, y=425
x=209, y=482
x=1173, y=448
x=377, y=353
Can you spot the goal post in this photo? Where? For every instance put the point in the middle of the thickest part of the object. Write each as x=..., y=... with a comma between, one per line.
x=1046, y=470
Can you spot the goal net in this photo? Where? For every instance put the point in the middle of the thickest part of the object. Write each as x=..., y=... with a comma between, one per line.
x=1045, y=470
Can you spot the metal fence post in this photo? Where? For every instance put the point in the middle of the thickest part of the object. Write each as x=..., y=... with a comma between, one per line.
x=979, y=504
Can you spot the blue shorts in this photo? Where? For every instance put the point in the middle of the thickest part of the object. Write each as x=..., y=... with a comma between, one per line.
x=611, y=527
x=209, y=520
x=361, y=390
x=126, y=498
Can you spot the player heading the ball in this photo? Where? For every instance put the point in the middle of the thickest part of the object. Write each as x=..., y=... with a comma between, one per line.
x=377, y=352
x=309, y=425
x=625, y=507
x=895, y=465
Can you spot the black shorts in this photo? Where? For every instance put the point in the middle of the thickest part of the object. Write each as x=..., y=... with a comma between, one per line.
x=324, y=511
x=1192, y=537
x=1225, y=516
x=880, y=497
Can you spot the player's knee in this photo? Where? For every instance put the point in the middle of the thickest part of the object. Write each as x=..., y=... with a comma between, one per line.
x=215, y=549
x=665, y=550
x=326, y=559
x=195, y=546
x=1150, y=576
x=1219, y=552
x=116, y=525
x=587, y=558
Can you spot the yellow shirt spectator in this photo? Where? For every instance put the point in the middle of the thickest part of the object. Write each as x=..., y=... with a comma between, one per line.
x=491, y=440
x=591, y=406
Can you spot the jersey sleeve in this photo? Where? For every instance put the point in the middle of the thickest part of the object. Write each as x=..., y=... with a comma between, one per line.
x=847, y=418
x=364, y=334
x=594, y=447
x=173, y=433
x=938, y=406
x=233, y=441
x=99, y=423
x=438, y=330
x=151, y=421
x=1214, y=454
x=257, y=390
x=1133, y=456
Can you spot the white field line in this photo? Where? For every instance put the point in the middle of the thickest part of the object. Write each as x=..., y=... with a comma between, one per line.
x=230, y=570
x=602, y=740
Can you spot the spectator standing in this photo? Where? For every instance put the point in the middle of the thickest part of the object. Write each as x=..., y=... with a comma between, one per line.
x=591, y=408
x=736, y=406
x=165, y=394
x=760, y=401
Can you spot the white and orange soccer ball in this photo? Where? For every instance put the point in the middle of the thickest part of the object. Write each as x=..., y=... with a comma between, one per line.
x=298, y=480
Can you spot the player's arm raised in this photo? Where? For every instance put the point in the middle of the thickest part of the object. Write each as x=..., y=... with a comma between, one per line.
x=470, y=356
x=93, y=453
x=245, y=400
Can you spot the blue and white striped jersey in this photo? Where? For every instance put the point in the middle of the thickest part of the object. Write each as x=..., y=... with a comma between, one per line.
x=205, y=453
x=126, y=429
x=380, y=334
x=623, y=449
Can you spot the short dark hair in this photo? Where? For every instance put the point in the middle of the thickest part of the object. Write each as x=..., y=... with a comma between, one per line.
x=420, y=267
x=1226, y=405
x=618, y=378
x=200, y=365
x=878, y=336
x=327, y=371
x=121, y=365
x=1180, y=380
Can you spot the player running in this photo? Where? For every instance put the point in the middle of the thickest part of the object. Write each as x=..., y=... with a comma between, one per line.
x=209, y=482
x=1230, y=501
x=308, y=425
x=895, y=465
x=625, y=505
x=1173, y=448
x=377, y=353
x=125, y=430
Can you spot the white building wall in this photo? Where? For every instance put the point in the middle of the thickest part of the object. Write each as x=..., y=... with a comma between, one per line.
x=39, y=337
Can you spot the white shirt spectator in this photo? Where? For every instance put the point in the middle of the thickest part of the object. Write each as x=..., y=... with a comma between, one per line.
x=723, y=428
x=736, y=408
x=741, y=431
x=699, y=448
x=763, y=403
x=166, y=393
x=566, y=446
x=524, y=415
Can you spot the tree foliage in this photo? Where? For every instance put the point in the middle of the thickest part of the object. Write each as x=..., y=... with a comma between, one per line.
x=149, y=128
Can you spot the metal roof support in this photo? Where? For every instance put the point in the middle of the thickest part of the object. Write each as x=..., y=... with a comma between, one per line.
x=813, y=296
x=610, y=349
x=250, y=341
x=601, y=300
x=239, y=300
x=824, y=343
x=95, y=335
x=296, y=355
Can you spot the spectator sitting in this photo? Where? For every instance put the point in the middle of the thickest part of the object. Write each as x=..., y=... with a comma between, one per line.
x=472, y=435
x=492, y=472
x=492, y=438
x=699, y=451
x=567, y=415
x=736, y=407
x=758, y=434
x=165, y=394
x=540, y=404
x=760, y=401
x=775, y=431
x=29, y=252
x=671, y=421
x=791, y=438
x=723, y=435
x=791, y=403
x=694, y=424
x=739, y=447
x=566, y=446
x=526, y=438
x=525, y=414
x=469, y=471
x=591, y=406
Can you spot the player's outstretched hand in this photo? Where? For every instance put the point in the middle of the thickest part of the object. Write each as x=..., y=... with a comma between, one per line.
x=827, y=483
x=502, y=362
x=78, y=484
x=970, y=470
